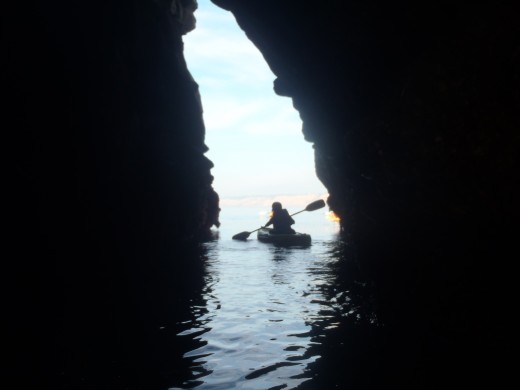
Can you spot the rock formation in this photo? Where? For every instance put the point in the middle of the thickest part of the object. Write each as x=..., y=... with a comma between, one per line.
x=413, y=111
x=108, y=188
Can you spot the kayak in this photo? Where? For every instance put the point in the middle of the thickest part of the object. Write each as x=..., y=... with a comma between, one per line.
x=296, y=239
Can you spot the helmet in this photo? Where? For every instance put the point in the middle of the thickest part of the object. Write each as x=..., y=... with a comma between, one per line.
x=277, y=206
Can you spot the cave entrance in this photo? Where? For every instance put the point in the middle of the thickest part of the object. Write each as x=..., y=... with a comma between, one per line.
x=254, y=136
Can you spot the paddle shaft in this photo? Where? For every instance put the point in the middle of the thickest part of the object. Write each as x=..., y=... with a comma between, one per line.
x=317, y=204
x=301, y=211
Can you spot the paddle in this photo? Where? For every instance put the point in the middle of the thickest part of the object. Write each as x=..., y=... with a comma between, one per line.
x=317, y=204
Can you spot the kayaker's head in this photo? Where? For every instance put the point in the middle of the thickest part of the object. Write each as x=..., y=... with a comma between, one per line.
x=277, y=206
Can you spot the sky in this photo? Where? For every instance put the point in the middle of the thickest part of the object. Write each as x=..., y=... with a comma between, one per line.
x=254, y=135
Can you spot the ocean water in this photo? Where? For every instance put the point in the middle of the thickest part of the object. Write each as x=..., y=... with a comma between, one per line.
x=268, y=316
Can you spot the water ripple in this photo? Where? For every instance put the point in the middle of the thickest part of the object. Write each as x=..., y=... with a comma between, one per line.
x=264, y=315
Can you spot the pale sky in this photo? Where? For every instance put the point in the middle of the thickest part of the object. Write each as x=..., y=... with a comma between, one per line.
x=254, y=136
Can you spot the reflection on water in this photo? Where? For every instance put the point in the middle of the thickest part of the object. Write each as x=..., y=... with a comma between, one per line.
x=271, y=318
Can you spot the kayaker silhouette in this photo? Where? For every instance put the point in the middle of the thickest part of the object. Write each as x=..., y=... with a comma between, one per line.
x=281, y=220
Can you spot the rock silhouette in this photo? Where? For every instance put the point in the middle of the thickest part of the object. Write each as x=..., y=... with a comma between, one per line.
x=413, y=111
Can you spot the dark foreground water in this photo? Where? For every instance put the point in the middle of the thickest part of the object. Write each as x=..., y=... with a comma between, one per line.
x=269, y=318
x=276, y=318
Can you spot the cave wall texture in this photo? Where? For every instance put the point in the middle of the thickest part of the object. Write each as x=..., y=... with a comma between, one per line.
x=108, y=189
x=413, y=111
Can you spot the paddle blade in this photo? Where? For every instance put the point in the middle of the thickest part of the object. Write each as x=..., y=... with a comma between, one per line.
x=317, y=204
x=241, y=236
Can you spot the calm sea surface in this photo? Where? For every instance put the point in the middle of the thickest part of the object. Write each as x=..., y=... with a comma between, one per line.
x=268, y=315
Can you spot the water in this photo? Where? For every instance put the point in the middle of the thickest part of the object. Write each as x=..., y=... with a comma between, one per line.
x=267, y=315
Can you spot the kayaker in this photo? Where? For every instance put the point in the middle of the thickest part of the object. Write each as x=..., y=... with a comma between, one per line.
x=281, y=220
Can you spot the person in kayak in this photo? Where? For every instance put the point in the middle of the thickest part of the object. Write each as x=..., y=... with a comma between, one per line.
x=281, y=220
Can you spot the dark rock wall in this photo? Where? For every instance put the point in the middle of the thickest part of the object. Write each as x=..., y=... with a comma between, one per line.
x=414, y=111
x=107, y=189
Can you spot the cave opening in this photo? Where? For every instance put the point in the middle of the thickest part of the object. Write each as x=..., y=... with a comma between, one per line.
x=254, y=136
x=414, y=106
